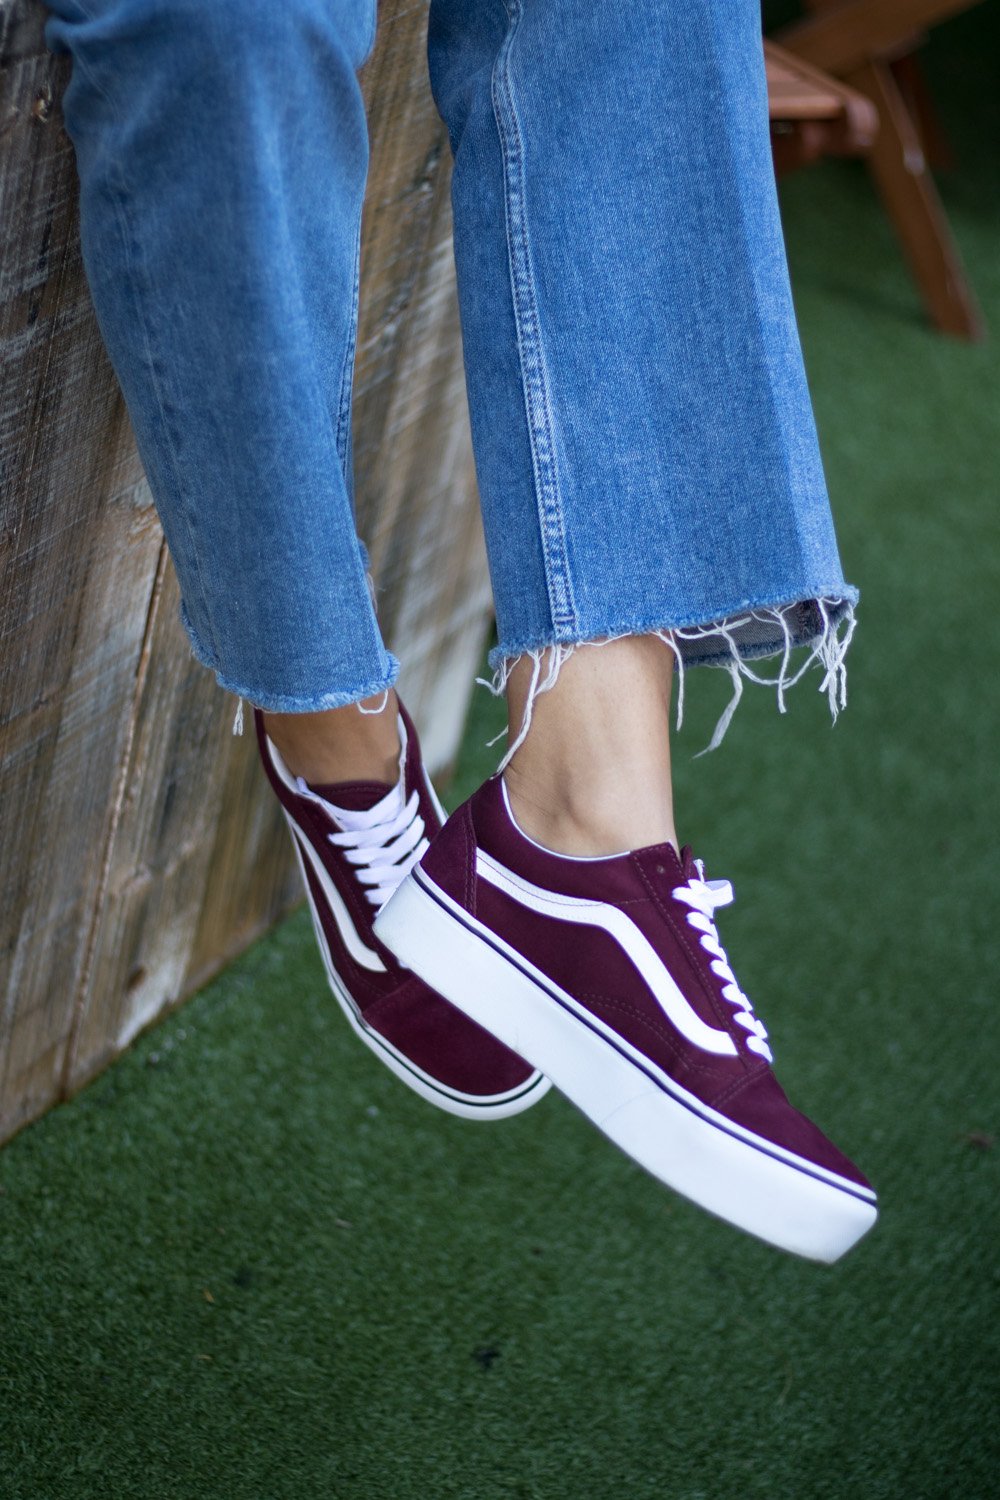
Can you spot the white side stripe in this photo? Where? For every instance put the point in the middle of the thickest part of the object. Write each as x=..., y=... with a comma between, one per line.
x=629, y=938
x=356, y=947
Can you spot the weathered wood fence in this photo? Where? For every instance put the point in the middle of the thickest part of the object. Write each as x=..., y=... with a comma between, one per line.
x=139, y=849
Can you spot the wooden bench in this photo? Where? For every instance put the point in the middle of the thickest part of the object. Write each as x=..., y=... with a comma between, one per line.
x=812, y=114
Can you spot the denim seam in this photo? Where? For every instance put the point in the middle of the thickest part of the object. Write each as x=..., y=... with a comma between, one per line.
x=120, y=195
x=552, y=525
x=347, y=374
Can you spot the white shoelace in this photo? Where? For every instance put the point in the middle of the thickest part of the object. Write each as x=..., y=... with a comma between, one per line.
x=705, y=896
x=383, y=842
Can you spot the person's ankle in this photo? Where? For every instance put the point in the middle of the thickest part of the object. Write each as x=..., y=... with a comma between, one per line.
x=340, y=744
x=591, y=821
x=591, y=774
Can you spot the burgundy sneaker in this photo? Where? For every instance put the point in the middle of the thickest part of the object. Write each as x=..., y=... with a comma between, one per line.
x=355, y=841
x=608, y=974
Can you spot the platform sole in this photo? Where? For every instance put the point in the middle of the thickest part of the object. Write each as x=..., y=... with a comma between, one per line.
x=740, y=1177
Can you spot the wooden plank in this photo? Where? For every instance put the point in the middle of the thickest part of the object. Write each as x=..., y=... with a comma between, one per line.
x=172, y=911
x=812, y=114
x=798, y=91
x=60, y=763
x=65, y=678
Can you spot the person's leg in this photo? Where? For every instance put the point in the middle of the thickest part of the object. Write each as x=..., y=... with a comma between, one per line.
x=645, y=445
x=359, y=741
x=593, y=775
x=652, y=492
x=222, y=150
x=225, y=285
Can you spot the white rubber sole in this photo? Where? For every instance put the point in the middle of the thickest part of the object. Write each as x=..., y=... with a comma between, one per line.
x=452, y=1101
x=741, y=1177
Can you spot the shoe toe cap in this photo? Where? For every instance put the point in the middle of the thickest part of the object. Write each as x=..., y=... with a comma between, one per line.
x=445, y=1044
x=763, y=1107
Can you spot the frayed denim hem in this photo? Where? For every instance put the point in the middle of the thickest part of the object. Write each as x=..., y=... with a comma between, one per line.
x=291, y=703
x=825, y=623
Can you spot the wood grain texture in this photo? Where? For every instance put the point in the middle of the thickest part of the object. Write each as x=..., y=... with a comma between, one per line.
x=139, y=846
x=71, y=626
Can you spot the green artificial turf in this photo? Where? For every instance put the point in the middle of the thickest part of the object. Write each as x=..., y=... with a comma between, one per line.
x=247, y=1263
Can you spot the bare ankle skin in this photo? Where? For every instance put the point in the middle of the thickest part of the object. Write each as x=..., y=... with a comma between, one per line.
x=340, y=744
x=593, y=774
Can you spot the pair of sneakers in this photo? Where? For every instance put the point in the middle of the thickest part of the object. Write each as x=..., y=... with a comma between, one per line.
x=481, y=968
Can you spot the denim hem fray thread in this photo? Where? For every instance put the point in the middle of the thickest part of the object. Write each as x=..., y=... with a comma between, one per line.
x=290, y=703
x=731, y=642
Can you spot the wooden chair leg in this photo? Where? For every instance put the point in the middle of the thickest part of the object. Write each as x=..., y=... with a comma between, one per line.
x=900, y=171
x=920, y=106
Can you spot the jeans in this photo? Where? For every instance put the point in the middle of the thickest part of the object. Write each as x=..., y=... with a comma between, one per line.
x=645, y=449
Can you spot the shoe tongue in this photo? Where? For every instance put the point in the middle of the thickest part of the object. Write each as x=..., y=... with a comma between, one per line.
x=352, y=796
x=687, y=863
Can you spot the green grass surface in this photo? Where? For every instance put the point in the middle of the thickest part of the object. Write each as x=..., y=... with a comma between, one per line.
x=247, y=1263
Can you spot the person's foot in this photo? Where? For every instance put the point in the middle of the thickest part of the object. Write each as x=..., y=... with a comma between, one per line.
x=608, y=974
x=355, y=841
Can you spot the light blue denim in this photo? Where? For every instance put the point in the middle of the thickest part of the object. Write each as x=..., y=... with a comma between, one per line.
x=644, y=441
